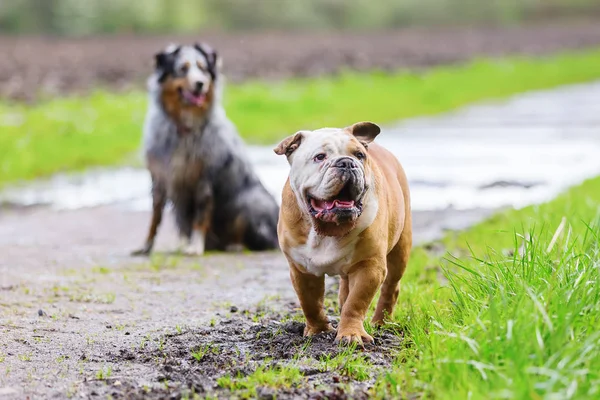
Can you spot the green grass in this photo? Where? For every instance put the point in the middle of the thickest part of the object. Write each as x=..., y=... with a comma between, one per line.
x=104, y=373
x=520, y=315
x=348, y=362
x=105, y=128
x=202, y=351
x=275, y=377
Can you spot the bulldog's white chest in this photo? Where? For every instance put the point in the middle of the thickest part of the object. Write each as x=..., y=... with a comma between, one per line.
x=324, y=255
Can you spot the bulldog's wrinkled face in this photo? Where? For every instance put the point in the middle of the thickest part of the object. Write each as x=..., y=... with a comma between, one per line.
x=330, y=172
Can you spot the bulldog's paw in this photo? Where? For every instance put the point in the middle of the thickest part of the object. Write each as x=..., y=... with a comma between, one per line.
x=349, y=335
x=310, y=330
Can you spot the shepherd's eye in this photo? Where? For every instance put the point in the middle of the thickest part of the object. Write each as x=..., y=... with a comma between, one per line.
x=184, y=68
x=319, y=157
x=360, y=155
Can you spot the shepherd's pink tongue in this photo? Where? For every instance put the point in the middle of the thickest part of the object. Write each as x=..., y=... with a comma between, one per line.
x=195, y=100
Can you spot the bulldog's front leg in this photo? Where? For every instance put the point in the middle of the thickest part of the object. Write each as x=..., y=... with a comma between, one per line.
x=311, y=293
x=364, y=280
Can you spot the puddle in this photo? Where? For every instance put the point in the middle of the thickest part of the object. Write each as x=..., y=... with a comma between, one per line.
x=513, y=153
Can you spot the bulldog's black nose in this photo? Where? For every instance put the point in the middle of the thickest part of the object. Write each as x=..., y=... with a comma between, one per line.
x=199, y=86
x=345, y=163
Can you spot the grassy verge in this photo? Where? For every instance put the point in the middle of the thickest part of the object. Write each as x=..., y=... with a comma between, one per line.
x=518, y=316
x=104, y=128
x=507, y=309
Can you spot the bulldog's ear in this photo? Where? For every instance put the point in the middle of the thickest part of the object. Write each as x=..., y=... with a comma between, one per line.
x=289, y=144
x=365, y=132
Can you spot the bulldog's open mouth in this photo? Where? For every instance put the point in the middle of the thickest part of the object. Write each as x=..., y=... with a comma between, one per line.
x=338, y=207
x=192, y=98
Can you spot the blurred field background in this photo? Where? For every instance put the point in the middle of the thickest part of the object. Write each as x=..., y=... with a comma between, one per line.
x=55, y=46
x=92, y=17
x=72, y=72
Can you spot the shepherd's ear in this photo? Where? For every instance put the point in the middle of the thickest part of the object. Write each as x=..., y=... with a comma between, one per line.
x=365, y=132
x=212, y=58
x=160, y=60
x=289, y=144
x=163, y=61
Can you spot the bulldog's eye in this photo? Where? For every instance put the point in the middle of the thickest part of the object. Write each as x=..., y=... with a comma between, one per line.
x=360, y=155
x=319, y=157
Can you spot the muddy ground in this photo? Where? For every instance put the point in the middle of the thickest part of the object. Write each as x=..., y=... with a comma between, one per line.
x=80, y=317
x=32, y=67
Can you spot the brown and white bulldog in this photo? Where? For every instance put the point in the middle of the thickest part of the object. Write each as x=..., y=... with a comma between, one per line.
x=345, y=211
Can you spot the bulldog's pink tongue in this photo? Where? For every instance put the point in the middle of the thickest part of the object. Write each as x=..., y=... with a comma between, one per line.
x=193, y=99
x=328, y=205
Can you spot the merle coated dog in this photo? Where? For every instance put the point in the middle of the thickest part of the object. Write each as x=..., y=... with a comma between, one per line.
x=197, y=160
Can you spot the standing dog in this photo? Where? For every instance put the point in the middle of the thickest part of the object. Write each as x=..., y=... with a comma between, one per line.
x=345, y=211
x=197, y=160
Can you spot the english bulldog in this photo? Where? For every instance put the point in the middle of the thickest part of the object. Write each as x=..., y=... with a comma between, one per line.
x=345, y=211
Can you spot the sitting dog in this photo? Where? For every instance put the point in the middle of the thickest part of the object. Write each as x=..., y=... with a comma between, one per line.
x=345, y=211
x=197, y=160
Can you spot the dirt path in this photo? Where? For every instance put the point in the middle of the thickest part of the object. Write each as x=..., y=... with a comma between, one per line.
x=33, y=66
x=73, y=302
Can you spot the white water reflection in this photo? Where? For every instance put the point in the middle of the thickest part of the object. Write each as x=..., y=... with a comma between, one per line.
x=514, y=153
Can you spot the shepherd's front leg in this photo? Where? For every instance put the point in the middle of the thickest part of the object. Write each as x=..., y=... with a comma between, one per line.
x=159, y=199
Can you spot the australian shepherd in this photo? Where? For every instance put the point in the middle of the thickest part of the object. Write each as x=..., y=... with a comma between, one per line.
x=198, y=162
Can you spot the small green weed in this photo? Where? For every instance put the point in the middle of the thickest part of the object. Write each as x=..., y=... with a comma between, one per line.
x=202, y=351
x=349, y=362
x=101, y=270
x=275, y=377
x=104, y=373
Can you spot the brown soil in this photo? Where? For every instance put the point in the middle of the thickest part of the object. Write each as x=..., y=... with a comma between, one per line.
x=30, y=66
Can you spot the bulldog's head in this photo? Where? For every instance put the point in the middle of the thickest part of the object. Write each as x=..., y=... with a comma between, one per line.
x=330, y=174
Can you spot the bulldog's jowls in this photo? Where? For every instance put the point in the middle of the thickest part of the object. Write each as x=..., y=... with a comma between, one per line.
x=345, y=211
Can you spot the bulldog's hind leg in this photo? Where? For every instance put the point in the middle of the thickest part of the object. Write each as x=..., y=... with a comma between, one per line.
x=159, y=199
x=311, y=293
x=397, y=261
